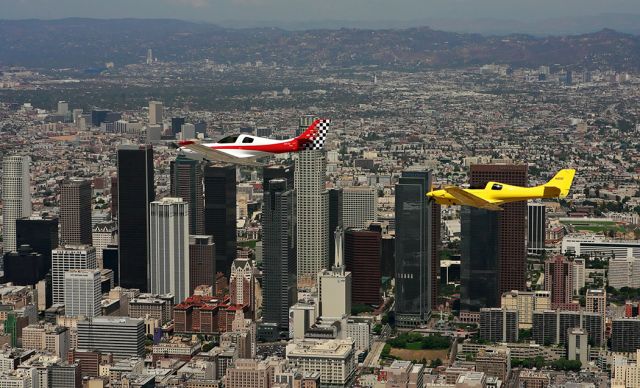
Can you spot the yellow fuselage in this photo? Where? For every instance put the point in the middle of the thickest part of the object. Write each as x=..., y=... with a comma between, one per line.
x=497, y=193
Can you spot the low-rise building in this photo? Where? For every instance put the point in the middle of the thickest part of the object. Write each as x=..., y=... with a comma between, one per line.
x=334, y=359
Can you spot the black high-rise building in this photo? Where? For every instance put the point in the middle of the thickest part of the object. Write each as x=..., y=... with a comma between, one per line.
x=220, y=213
x=135, y=192
x=414, y=249
x=479, y=259
x=110, y=261
x=176, y=125
x=335, y=219
x=277, y=172
x=24, y=267
x=279, y=253
x=98, y=116
x=186, y=183
x=41, y=234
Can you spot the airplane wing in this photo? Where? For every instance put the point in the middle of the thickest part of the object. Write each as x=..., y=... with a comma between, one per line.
x=215, y=155
x=469, y=199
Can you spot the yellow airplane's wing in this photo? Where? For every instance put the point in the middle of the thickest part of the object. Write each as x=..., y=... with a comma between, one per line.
x=469, y=199
x=215, y=155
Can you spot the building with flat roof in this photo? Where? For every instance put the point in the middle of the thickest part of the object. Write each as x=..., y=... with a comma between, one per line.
x=359, y=206
x=494, y=362
x=82, y=293
x=333, y=359
x=247, y=373
x=599, y=246
x=403, y=374
x=526, y=302
x=55, y=339
x=123, y=337
x=499, y=324
x=65, y=259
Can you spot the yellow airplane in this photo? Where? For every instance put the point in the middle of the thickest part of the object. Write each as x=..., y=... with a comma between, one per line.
x=495, y=193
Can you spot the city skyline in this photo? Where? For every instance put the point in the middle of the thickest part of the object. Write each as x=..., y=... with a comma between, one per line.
x=129, y=261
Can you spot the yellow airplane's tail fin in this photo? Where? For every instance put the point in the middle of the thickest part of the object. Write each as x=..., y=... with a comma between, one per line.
x=562, y=180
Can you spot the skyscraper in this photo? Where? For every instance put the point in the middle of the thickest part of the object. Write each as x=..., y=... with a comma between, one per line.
x=536, y=231
x=479, y=259
x=558, y=279
x=359, y=206
x=176, y=125
x=414, y=250
x=169, y=248
x=65, y=259
x=362, y=253
x=304, y=122
x=312, y=210
x=186, y=183
x=279, y=253
x=512, y=253
x=156, y=111
x=41, y=233
x=114, y=197
x=277, y=172
x=242, y=285
x=220, y=212
x=24, y=267
x=335, y=219
x=135, y=193
x=334, y=286
x=82, y=293
x=16, y=197
x=63, y=107
x=75, y=212
x=202, y=262
x=103, y=235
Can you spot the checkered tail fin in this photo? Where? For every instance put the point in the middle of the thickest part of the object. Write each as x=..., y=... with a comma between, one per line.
x=314, y=137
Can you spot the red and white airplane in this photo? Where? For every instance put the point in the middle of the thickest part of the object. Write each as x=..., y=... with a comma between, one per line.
x=244, y=149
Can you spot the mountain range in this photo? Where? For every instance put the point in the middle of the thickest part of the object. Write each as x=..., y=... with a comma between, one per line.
x=82, y=43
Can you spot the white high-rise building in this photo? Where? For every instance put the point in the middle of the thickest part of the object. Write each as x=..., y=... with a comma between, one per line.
x=16, y=197
x=579, y=270
x=103, y=234
x=359, y=206
x=312, y=213
x=624, y=272
x=334, y=286
x=63, y=107
x=65, y=259
x=187, y=131
x=169, y=247
x=155, y=112
x=334, y=292
x=82, y=293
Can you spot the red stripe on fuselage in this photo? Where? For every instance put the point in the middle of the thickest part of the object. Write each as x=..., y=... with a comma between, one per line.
x=275, y=148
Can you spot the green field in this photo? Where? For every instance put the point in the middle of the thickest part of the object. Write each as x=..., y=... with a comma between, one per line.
x=595, y=226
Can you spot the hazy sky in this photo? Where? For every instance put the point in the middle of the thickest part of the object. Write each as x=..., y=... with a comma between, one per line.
x=303, y=10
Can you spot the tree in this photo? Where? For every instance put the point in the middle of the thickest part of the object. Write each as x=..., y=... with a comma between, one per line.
x=208, y=346
x=435, y=363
